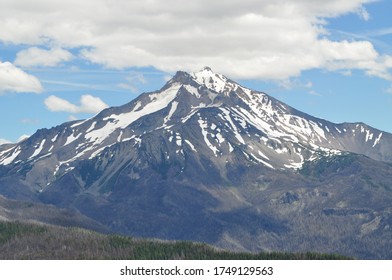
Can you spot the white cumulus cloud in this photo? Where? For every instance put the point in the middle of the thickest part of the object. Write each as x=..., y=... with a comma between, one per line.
x=13, y=79
x=241, y=38
x=88, y=104
x=4, y=141
x=22, y=138
x=40, y=57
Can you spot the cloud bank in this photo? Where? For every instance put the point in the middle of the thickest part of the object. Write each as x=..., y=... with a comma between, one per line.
x=88, y=104
x=4, y=141
x=40, y=57
x=13, y=79
x=242, y=38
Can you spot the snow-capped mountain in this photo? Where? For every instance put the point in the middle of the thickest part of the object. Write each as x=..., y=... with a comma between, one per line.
x=224, y=116
x=175, y=149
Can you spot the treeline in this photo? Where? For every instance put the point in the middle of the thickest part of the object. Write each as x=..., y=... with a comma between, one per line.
x=31, y=241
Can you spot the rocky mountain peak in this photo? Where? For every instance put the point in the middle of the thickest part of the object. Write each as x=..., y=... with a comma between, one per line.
x=223, y=114
x=203, y=153
x=210, y=79
x=205, y=77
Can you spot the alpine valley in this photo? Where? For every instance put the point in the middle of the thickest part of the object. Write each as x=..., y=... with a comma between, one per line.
x=206, y=159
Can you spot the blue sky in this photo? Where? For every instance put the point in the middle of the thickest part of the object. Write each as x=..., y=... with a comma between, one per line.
x=65, y=60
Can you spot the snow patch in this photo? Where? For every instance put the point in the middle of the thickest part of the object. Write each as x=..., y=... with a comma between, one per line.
x=369, y=135
x=137, y=106
x=173, y=108
x=178, y=140
x=38, y=149
x=54, y=138
x=11, y=158
x=6, y=151
x=220, y=138
x=282, y=151
x=119, y=136
x=227, y=117
x=171, y=136
x=377, y=140
x=97, y=152
x=294, y=165
x=192, y=90
x=204, y=126
x=211, y=80
x=158, y=102
x=72, y=138
x=231, y=149
x=263, y=155
x=78, y=123
x=195, y=109
x=190, y=145
x=262, y=161
x=91, y=127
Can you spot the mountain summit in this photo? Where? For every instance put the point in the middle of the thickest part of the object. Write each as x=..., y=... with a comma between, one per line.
x=203, y=158
x=224, y=117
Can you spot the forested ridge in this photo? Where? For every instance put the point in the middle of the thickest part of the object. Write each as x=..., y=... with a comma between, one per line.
x=21, y=240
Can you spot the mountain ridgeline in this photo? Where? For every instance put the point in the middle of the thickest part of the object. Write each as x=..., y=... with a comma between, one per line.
x=206, y=159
